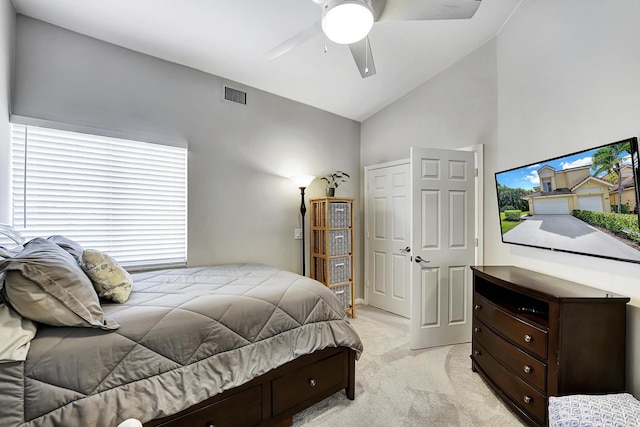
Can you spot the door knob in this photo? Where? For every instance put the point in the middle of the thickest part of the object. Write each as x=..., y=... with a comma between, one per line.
x=419, y=260
x=406, y=250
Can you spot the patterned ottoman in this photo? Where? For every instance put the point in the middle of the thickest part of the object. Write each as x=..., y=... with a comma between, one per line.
x=580, y=410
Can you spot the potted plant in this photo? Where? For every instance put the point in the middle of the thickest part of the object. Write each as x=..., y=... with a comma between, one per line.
x=333, y=180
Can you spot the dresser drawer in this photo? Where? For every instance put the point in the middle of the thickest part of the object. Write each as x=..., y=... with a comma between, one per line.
x=522, y=394
x=527, y=367
x=242, y=409
x=525, y=335
x=296, y=387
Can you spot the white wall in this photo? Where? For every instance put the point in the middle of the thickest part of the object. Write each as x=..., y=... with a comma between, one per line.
x=568, y=79
x=560, y=77
x=457, y=108
x=241, y=208
x=7, y=28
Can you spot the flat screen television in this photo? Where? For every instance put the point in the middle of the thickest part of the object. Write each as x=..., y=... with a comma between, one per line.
x=583, y=203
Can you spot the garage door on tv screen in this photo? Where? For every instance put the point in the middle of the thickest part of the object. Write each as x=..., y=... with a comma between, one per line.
x=583, y=203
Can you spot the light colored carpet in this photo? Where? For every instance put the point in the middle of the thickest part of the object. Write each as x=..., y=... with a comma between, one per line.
x=396, y=386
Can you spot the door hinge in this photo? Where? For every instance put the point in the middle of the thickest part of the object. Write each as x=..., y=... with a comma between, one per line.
x=475, y=243
x=476, y=172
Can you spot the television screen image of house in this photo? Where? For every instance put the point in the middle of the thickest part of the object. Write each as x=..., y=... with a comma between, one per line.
x=584, y=203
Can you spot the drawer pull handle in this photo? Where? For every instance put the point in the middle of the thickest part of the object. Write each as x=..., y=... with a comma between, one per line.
x=527, y=369
x=476, y=353
x=312, y=382
x=339, y=237
x=477, y=307
x=528, y=338
x=210, y=424
x=340, y=264
x=527, y=399
x=476, y=330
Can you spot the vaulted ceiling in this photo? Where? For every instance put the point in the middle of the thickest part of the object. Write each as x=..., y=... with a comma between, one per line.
x=229, y=38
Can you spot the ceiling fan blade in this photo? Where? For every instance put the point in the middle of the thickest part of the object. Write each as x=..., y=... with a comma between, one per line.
x=293, y=42
x=378, y=7
x=361, y=52
x=412, y=10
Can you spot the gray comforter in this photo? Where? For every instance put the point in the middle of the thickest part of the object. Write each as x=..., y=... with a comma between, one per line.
x=185, y=335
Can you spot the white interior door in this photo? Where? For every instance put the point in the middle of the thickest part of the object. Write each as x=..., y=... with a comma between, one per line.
x=443, y=238
x=387, y=213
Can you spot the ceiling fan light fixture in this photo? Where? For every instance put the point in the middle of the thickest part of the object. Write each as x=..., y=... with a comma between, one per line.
x=347, y=21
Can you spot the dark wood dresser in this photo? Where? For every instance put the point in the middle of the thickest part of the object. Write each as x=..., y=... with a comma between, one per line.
x=536, y=336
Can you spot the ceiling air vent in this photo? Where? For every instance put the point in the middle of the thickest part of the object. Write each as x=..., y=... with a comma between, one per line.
x=235, y=95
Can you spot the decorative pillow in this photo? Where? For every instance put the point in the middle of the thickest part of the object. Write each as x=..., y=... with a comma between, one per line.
x=75, y=249
x=109, y=279
x=45, y=284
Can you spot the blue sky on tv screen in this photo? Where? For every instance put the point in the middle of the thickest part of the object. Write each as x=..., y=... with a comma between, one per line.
x=526, y=177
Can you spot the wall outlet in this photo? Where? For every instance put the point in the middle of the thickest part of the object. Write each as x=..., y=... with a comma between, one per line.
x=297, y=234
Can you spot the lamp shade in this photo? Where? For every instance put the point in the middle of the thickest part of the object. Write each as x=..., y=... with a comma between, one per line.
x=302, y=180
x=347, y=21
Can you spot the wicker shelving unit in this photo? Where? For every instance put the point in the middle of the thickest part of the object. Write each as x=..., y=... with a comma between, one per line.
x=332, y=247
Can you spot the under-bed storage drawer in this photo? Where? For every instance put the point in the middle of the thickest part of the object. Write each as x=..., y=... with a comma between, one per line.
x=307, y=382
x=242, y=409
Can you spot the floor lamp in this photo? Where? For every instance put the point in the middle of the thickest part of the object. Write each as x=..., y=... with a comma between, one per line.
x=302, y=182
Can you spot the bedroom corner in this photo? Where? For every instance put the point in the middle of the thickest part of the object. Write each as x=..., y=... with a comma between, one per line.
x=7, y=27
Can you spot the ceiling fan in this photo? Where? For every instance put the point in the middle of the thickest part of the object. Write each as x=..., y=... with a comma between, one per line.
x=349, y=22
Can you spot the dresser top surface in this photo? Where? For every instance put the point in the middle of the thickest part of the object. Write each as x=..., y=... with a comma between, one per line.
x=543, y=286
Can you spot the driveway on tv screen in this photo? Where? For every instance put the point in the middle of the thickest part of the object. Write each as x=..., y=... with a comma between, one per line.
x=565, y=232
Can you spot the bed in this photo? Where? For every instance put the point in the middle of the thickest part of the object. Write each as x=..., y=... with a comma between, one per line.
x=241, y=344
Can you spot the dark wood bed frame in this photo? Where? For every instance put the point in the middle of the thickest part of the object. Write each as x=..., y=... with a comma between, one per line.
x=274, y=397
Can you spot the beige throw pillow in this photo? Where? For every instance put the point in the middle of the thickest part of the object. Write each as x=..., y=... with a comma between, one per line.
x=109, y=279
x=45, y=284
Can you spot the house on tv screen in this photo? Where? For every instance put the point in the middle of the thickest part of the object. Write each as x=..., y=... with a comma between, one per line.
x=562, y=191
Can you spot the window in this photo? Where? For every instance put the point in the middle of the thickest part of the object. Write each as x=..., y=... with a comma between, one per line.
x=127, y=198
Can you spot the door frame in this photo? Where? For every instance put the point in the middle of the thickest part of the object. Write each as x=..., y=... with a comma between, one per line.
x=479, y=202
x=479, y=207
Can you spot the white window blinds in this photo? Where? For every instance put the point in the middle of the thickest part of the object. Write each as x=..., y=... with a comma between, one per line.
x=127, y=198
